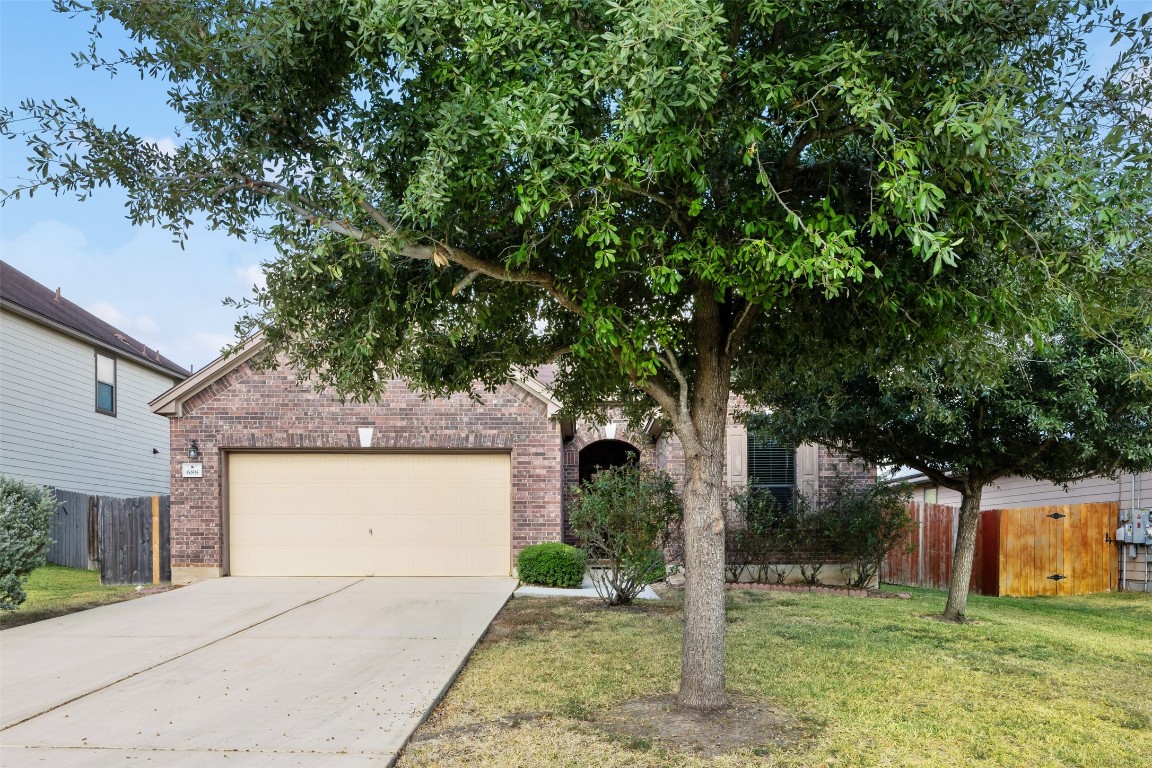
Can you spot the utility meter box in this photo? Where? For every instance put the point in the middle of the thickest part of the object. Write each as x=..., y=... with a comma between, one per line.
x=1134, y=526
x=1140, y=519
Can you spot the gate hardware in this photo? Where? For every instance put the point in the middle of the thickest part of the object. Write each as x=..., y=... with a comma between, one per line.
x=1056, y=515
x=1057, y=577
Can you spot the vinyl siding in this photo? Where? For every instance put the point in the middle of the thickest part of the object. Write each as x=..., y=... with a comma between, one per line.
x=1021, y=492
x=50, y=432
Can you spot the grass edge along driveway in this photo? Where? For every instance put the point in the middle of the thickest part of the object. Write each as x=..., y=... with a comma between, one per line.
x=54, y=590
x=1037, y=682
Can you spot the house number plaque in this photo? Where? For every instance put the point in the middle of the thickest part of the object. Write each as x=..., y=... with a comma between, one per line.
x=191, y=470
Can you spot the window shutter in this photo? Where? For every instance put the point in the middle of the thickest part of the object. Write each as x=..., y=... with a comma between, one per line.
x=808, y=470
x=737, y=455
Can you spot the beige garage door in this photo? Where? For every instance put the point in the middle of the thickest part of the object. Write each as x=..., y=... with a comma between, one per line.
x=337, y=514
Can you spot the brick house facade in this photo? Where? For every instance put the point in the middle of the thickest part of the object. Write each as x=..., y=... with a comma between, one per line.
x=662, y=450
x=248, y=410
x=230, y=408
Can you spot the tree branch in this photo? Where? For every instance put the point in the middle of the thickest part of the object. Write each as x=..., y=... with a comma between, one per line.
x=681, y=380
x=741, y=328
x=467, y=281
x=792, y=160
x=677, y=216
x=378, y=217
x=931, y=473
x=439, y=253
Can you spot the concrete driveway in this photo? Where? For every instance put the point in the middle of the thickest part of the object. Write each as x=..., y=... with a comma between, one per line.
x=240, y=672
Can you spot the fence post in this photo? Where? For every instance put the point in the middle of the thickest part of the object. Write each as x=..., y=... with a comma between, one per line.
x=94, y=534
x=155, y=539
x=921, y=522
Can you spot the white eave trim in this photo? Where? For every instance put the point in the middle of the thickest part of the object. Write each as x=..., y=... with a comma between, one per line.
x=654, y=427
x=919, y=478
x=171, y=403
x=533, y=387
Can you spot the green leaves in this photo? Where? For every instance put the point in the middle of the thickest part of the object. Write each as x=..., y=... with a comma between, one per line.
x=1070, y=404
x=504, y=182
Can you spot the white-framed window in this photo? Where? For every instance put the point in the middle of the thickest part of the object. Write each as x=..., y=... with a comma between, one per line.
x=105, y=384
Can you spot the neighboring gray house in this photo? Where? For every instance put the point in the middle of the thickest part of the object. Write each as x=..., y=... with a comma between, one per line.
x=1130, y=491
x=74, y=395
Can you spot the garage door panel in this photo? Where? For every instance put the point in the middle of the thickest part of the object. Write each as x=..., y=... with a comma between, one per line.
x=367, y=561
x=435, y=531
x=370, y=514
x=267, y=500
x=267, y=531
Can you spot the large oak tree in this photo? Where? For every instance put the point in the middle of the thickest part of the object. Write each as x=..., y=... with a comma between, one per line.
x=629, y=189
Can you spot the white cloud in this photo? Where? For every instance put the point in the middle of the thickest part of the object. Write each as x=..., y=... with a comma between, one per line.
x=139, y=326
x=139, y=281
x=252, y=276
x=47, y=237
x=166, y=145
x=203, y=347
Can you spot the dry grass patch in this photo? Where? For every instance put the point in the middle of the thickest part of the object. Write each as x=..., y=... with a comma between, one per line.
x=1038, y=682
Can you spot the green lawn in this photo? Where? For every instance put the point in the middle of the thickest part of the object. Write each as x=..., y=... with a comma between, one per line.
x=1034, y=682
x=54, y=590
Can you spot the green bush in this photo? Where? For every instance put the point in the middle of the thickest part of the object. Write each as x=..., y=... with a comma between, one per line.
x=625, y=517
x=25, y=532
x=853, y=523
x=552, y=565
x=764, y=549
x=867, y=523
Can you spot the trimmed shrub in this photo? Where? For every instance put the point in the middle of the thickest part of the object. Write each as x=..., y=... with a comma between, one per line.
x=851, y=523
x=25, y=532
x=552, y=564
x=625, y=517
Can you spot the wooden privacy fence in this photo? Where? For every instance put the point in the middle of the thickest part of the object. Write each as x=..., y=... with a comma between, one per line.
x=1060, y=550
x=126, y=539
x=924, y=559
x=74, y=535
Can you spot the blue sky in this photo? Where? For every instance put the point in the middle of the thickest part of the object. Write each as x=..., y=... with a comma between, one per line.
x=134, y=278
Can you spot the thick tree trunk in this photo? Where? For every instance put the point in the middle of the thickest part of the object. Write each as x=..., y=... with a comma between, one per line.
x=703, y=434
x=965, y=550
x=702, y=652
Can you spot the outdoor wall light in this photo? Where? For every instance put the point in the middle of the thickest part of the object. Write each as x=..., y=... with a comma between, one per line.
x=365, y=436
x=193, y=451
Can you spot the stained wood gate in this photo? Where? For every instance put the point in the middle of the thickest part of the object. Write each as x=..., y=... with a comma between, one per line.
x=1062, y=550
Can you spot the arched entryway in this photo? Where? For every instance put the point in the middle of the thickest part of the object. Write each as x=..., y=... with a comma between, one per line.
x=603, y=454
